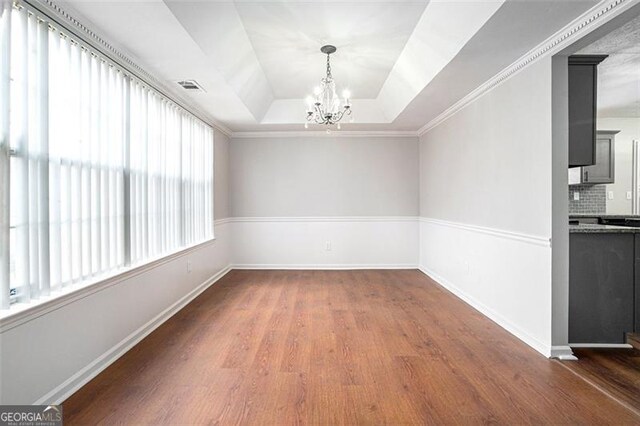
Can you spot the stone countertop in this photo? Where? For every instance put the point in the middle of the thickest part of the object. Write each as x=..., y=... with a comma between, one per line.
x=588, y=228
x=607, y=216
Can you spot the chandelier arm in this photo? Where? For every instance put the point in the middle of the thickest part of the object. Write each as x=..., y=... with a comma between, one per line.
x=319, y=113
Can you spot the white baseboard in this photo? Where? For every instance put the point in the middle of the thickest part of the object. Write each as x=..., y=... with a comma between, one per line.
x=338, y=266
x=82, y=377
x=601, y=345
x=488, y=312
x=563, y=353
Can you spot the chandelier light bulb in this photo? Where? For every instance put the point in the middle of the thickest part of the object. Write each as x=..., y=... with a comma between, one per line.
x=346, y=94
x=317, y=91
x=309, y=102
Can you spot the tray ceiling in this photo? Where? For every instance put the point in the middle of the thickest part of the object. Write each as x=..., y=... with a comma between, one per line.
x=258, y=60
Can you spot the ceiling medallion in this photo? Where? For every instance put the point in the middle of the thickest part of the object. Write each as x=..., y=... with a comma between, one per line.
x=325, y=107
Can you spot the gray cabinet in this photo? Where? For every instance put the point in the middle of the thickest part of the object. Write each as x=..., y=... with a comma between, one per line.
x=583, y=90
x=636, y=328
x=602, y=269
x=603, y=171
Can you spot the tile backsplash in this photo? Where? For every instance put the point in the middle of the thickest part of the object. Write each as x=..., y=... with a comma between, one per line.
x=593, y=199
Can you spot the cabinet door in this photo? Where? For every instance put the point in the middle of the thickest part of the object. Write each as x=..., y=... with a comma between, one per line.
x=582, y=81
x=603, y=170
x=601, y=280
x=636, y=328
x=582, y=94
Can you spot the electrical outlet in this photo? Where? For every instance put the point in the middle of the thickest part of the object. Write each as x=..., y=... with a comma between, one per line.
x=188, y=266
x=327, y=245
x=629, y=195
x=576, y=196
x=610, y=195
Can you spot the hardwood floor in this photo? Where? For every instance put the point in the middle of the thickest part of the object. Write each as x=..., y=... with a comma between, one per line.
x=336, y=347
x=615, y=371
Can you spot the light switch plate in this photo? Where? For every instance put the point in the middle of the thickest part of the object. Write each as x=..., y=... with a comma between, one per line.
x=610, y=195
x=576, y=196
x=628, y=195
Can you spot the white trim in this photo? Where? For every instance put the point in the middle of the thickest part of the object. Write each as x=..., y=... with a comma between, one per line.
x=563, y=353
x=322, y=266
x=82, y=377
x=601, y=345
x=323, y=134
x=518, y=236
x=220, y=222
x=18, y=314
x=489, y=313
x=576, y=29
x=326, y=219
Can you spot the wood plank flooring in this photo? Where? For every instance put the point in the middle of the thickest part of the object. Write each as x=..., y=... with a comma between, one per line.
x=615, y=371
x=336, y=347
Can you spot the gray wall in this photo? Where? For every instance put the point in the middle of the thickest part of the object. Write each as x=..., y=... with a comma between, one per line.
x=221, y=179
x=324, y=176
x=490, y=164
x=629, y=131
x=485, y=194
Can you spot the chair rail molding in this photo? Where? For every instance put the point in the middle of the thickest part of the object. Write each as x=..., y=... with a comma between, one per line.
x=518, y=236
x=325, y=219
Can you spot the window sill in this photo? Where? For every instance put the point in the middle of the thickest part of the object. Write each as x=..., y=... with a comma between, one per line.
x=20, y=313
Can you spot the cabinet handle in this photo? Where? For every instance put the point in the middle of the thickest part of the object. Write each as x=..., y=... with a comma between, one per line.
x=586, y=176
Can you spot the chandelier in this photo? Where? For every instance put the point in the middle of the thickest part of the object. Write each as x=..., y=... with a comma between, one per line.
x=325, y=107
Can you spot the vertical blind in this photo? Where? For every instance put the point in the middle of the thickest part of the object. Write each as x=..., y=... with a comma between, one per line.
x=98, y=171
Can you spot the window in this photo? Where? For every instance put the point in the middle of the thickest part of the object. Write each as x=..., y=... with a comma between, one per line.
x=99, y=171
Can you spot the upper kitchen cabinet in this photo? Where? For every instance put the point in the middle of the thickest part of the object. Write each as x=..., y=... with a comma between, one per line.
x=603, y=171
x=583, y=89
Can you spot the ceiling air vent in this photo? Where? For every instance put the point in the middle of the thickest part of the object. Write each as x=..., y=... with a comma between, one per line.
x=190, y=85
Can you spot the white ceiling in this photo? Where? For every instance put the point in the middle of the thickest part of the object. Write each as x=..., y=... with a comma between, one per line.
x=404, y=61
x=286, y=39
x=619, y=74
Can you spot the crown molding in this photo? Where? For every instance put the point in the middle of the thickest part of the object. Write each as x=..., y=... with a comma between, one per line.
x=596, y=16
x=99, y=42
x=579, y=27
x=323, y=134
